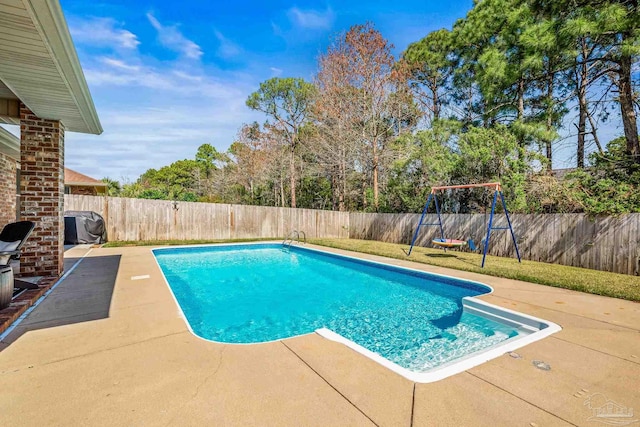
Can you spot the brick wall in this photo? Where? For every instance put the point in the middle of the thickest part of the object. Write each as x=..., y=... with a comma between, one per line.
x=42, y=193
x=7, y=189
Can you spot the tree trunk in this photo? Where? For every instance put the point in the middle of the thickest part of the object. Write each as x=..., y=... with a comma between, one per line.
x=469, y=107
x=375, y=174
x=582, y=82
x=582, y=119
x=292, y=177
x=364, y=194
x=343, y=192
x=594, y=132
x=335, y=187
x=581, y=134
x=550, y=87
x=627, y=109
x=521, y=99
x=282, y=198
x=521, y=139
x=435, y=100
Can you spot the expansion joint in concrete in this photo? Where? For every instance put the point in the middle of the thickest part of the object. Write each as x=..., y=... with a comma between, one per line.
x=328, y=383
x=520, y=398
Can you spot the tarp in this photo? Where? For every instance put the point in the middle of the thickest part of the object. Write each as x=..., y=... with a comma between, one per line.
x=84, y=227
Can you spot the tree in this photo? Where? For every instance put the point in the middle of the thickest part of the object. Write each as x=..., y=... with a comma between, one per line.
x=208, y=158
x=379, y=97
x=249, y=154
x=583, y=78
x=427, y=159
x=619, y=22
x=430, y=67
x=547, y=55
x=612, y=27
x=335, y=131
x=488, y=155
x=174, y=182
x=113, y=187
x=287, y=102
x=612, y=185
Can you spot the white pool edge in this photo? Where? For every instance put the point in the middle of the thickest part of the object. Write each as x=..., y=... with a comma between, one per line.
x=465, y=363
x=474, y=305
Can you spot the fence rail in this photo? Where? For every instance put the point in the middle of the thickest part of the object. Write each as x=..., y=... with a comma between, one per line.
x=602, y=243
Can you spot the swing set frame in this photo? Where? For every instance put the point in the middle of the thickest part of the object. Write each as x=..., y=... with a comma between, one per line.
x=497, y=191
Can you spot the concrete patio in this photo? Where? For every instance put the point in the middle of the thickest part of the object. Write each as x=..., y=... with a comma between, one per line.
x=109, y=348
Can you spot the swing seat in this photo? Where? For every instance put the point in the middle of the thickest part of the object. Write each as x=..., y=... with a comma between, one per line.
x=449, y=243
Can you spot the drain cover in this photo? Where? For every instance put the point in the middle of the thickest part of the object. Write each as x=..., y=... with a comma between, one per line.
x=541, y=365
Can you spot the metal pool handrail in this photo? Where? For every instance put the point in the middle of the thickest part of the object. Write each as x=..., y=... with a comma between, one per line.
x=294, y=236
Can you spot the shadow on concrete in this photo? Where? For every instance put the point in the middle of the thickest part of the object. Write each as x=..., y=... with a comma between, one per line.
x=83, y=296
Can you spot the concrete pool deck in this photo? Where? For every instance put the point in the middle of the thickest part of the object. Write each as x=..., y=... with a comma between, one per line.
x=108, y=347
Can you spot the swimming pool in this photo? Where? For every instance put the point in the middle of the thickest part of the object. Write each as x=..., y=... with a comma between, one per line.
x=416, y=323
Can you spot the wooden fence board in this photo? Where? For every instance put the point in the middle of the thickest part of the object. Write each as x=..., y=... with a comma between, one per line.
x=601, y=243
x=141, y=219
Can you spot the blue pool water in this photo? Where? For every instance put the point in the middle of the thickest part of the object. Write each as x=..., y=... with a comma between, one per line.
x=257, y=293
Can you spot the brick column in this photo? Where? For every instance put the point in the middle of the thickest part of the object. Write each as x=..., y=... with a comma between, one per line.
x=7, y=189
x=42, y=193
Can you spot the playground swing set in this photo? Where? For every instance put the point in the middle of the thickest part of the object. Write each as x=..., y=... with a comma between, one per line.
x=455, y=243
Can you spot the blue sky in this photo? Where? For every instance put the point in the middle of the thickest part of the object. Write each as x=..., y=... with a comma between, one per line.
x=167, y=78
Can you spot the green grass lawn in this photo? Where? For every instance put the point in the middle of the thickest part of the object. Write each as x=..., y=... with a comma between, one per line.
x=561, y=276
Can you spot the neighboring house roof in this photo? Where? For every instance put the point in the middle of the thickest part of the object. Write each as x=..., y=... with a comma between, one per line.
x=39, y=66
x=76, y=179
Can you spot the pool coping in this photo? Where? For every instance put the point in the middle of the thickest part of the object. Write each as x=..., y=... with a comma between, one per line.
x=541, y=328
x=138, y=364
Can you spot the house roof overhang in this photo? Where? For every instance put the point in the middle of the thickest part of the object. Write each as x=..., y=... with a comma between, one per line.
x=9, y=144
x=39, y=66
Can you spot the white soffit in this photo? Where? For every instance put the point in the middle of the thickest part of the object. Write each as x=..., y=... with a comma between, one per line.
x=9, y=144
x=39, y=64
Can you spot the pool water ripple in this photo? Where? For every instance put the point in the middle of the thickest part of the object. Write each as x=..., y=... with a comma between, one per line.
x=257, y=293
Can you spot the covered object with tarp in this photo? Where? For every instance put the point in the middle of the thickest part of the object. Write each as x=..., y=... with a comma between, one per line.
x=84, y=227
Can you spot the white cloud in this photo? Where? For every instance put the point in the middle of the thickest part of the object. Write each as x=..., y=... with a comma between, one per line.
x=155, y=111
x=312, y=19
x=276, y=71
x=143, y=78
x=226, y=48
x=169, y=80
x=137, y=139
x=187, y=76
x=276, y=29
x=102, y=32
x=171, y=38
x=117, y=63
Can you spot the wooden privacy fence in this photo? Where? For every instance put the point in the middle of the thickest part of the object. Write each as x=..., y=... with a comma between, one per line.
x=141, y=219
x=601, y=243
